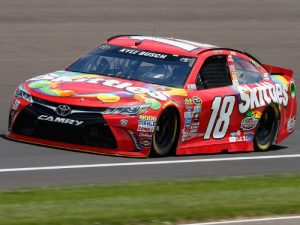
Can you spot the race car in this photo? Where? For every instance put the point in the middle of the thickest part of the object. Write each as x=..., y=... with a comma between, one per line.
x=141, y=96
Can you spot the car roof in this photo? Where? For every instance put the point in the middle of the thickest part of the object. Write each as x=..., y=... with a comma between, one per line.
x=161, y=44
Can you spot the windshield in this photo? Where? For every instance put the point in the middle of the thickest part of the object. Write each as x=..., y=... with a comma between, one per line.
x=133, y=64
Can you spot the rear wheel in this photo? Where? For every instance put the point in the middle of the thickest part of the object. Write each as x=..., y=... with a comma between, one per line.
x=267, y=129
x=165, y=134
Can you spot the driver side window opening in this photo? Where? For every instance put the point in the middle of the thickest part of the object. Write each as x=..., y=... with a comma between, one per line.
x=214, y=73
x=247, y=72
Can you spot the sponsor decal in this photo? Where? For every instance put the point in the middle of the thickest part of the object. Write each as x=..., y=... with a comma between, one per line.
x=291, y=124
x=45, y=81
x=249, y=138
x=235, y=82
x=254, y=62
x=249, y=123
x=124, y=122
x=196, y=118
x=197, y=100
x=188, y=101
x=150, y=118
x=185, y=60
x=194, y=128
x=197, y=109
x=241, y=138
x=266, y=76
x=249, y=133
x=218, y=52
x=186, y=128
x=231, y=67
x=293, y=89
x=237, y=137
x=184, y=136
x=188, y=114
x=145, y=142
x=232, y=139
x=189, y=107
x=15, y=105
x=234, y=75
x=191, y=87
x=261, y=95
x=188, y=121
x=60, y=120
x=235, y=134
x=146, y=123
x=148, y=135
x=105, y=47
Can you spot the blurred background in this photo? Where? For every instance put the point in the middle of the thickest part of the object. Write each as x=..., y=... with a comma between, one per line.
x=41, y=36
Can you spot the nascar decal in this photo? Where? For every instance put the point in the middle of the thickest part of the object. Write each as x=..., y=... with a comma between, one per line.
x=197, y=100
x=261, y=95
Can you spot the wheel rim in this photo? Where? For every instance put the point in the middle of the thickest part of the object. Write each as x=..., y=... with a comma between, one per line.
x=266, y=130
x=165, y=133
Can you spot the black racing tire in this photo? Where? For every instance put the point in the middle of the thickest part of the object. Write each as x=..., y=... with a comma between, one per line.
x=267, y=129
x=166, y=133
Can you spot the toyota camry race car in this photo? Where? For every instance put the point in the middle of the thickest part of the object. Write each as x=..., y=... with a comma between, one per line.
x=139, y=96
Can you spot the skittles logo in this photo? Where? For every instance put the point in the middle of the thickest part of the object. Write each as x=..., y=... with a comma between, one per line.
x=105, y=89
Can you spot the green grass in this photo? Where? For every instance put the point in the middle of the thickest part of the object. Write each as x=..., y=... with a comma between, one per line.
x=165, y=202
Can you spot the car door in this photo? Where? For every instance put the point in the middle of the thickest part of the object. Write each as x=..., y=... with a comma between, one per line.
x=216, y=116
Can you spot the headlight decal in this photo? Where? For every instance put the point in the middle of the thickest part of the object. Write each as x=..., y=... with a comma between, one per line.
x=128, y=110
x=22, y=93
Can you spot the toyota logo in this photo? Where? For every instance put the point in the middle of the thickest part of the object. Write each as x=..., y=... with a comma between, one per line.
x=63, y=110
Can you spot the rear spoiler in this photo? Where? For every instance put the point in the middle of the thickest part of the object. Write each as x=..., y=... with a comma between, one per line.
x=275, y=70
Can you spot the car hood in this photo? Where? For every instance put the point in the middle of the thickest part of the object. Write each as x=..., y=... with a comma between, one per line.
x=97, y=90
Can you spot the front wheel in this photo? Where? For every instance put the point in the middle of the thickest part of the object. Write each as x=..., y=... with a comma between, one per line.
x=165, y=133
x=267, y=129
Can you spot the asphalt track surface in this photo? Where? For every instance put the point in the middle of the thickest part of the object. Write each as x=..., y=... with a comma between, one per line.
x=288, y=220
x=37, y=37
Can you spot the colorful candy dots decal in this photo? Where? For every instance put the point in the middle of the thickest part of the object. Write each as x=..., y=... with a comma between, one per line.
x=46, y=86
x=106, y=97
x=154, y=103
x=177, y=91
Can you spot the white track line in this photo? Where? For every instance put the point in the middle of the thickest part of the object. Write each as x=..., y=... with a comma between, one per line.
x=147, y=163
x=248, y=221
